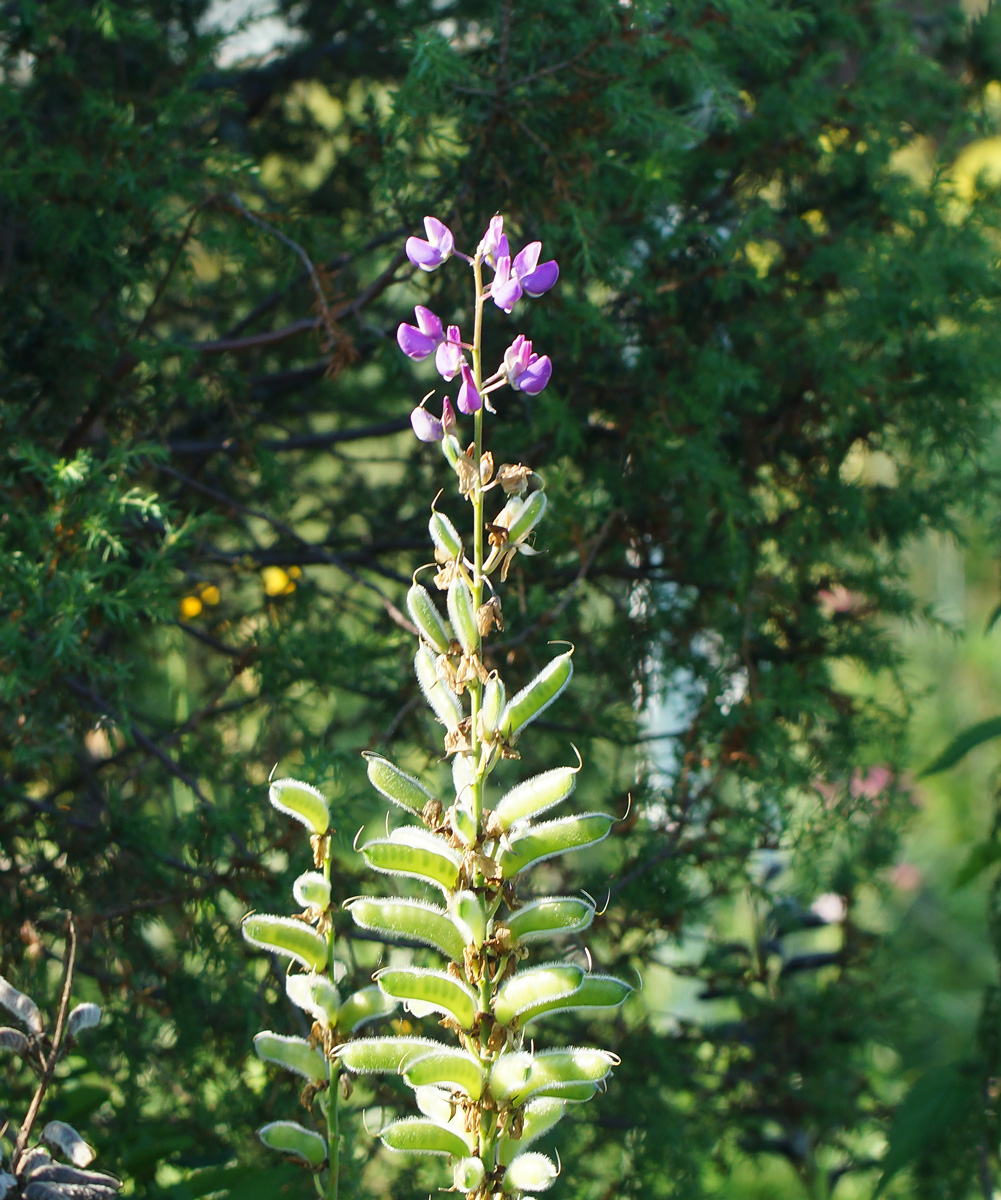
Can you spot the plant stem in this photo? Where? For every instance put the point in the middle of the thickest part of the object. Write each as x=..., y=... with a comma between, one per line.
x=476, y=688
x=333, y=1068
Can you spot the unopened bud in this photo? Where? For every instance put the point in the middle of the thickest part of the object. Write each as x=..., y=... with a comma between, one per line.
x=444, y=535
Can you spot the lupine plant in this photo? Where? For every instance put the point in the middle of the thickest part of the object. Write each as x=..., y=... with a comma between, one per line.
x=488, y=1094
x=29, y=1171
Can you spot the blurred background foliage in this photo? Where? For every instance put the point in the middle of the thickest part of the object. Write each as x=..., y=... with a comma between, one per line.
x=771, y=444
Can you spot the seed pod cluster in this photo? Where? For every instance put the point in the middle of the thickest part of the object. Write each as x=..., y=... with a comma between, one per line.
x=485, y=1096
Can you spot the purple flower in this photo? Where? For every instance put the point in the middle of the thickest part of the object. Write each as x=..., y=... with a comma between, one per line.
x=431, y=253
x=429, y=428
x=448, y=356
x=493, y=245
x=526, y=371
x=417, y=341
x=525, y=274
x=469, y=399
x=535, y=279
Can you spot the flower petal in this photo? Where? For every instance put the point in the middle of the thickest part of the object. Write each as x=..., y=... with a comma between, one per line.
x=535, y=376
x=440, y=236
x=448, y=356
x=469, y=399
x=427, y=427
x=422, y=254
x=528, y=259
x=428, y=323
x=541, y=279
x=505, y=289
x=413, y=343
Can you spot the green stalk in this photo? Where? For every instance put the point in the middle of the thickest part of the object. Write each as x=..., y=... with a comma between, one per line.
x=333, y=1069
x=476, y=688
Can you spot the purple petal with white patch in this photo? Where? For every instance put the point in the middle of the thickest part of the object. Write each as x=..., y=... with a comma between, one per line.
x=469, y=399
x=448, y=356
x=435, y=250
x=526, y=260
x=427, y=427
x=493, y=244
x=418, y=341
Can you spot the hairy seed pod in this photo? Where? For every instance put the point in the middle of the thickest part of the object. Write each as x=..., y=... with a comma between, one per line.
x=316, y=995
x=66, y=1141
x=311, y=890
x=548, y=916
x=468, y=1174
x=533, y=986
x=289, y=1137
x=440, y=697
x=463, y=778
x=537, y=696
x=396, y=785
x=462, y=615
x=469, y=912
x=367, y=1004
x=22, y=1006
x=517, y=1077
x=536, y=795
x=92, y=1185
x=424, y=991
x=303, y=802
x=595, y=992
x=445, y=536
x=416, y=853
x=527, y=515
x=460, y=821
x=418, y=1135
x=494, y=699
x=451, y=449
x=539, y=1117
x=414, y=919
x=531, y=1171
x=384, y=1055
x=83, y=1016
x=287, y=936
x=447, y=1067
x=540, y=842
x=295, y=1054
x=427, y=618
x=13, y=1040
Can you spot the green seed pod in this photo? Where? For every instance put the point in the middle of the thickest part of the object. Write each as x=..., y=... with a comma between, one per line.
x=414, y=919
x=384, y=1055
x=302, y=801
x=540, y=842
x=293, y=1053
x=440, y=697
x=550, y=915
x=427, y=618
x=394, y=784
x=534, y=986
x=530, y=1171
x=451, y=449
x=367, y=1004
x=519, y=1076
x=540, y=1116
x=494, y=699
x=536, y=795
x=462, y=615
x=424, y=991
x=289, y=1137
x=537, y=696
x=287, y=936
x=527, y=515
x=468, y=1174
x=463, y=777
x=445, y=536
x=416, y=853
x=316, y=995
x=417, y=1135
x=595, y=992
x=461, y=822
x=311, y=890
x=469, y=913
x=447, y=1067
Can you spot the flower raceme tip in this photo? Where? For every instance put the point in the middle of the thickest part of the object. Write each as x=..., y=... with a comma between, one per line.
x=431, y=253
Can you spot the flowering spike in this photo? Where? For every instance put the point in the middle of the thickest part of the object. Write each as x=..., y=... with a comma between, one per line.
x=430, y=254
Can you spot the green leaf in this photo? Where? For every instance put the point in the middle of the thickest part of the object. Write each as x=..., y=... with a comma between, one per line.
x=981, y=856
x=963, y=743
